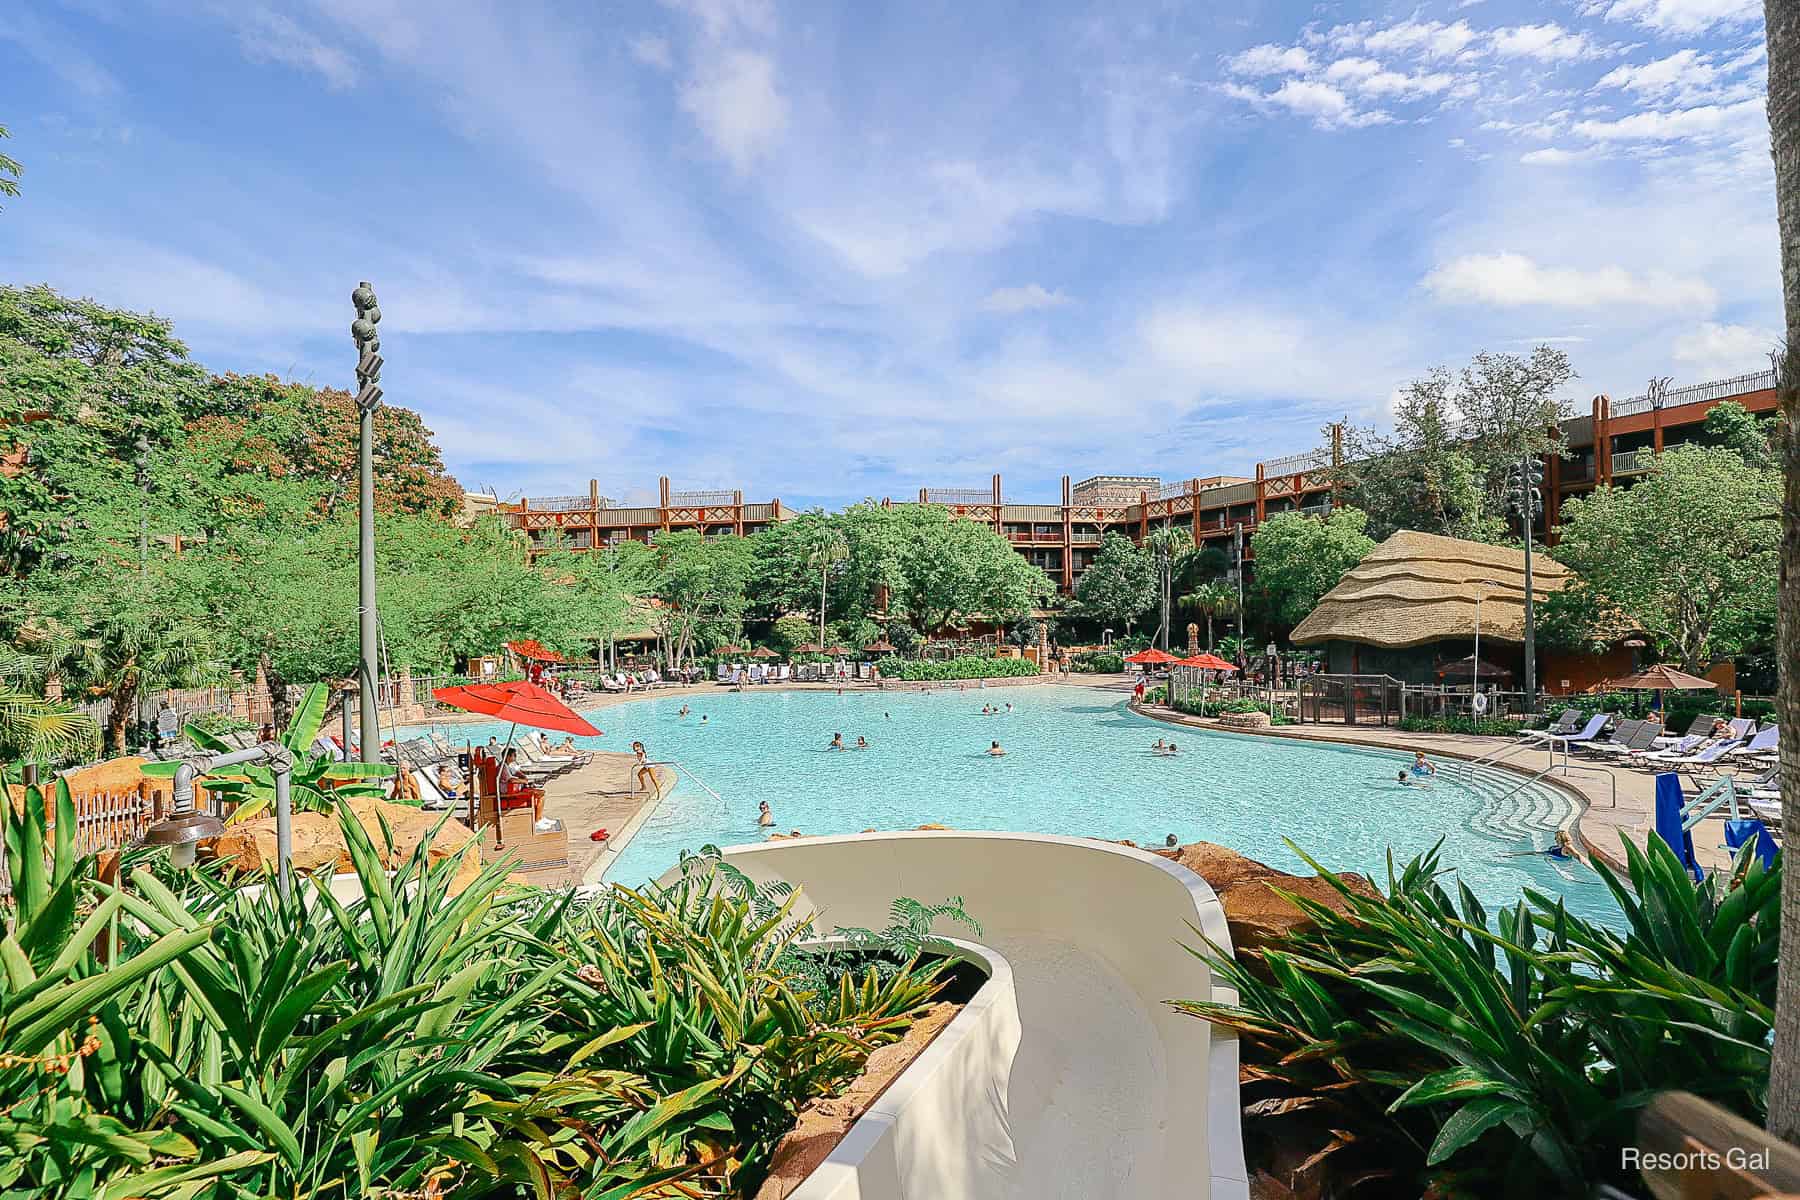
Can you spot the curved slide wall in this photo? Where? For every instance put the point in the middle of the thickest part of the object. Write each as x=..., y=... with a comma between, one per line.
x=1097, y=1089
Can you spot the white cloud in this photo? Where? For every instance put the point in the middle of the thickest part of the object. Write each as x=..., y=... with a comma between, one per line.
x=1706, y=120
x=1433, y=39
x=652, y=51
x=737, y=105
x=1552, y=156
x=1684, y=72
x=1509, y=280
x=1714, y=351
x=1270, y=59
x=722, y=18
x=266, y=35
x=1681, y=16
x=1548, y=42
x=1027, y=298
x=1349, y=70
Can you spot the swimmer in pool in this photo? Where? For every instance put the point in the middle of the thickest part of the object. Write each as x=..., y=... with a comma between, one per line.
x=1009, y=708
x=683, y=711
x=837, y=742
x=764, y=815
x=862, y=743
x=1403, y=779
x=703, y=718
x=1420, y=767
x=1159, y=747
x=994, y=750
x=1171, y=841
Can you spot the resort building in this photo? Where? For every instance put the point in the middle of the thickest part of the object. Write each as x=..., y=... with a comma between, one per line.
x=1615, y=442
x=591, y=521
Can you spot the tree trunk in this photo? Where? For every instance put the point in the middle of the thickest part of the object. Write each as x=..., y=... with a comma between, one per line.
x=1782, y=18
x=279, y=710
x=118, y=718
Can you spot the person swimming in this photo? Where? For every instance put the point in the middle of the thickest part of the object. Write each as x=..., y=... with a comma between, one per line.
x=765, y=816
x=703, y=718
x=683, y=711
x=994, y=750
x=1421, y=767
x=1403, y=779
x=837, y=742
x=1173, y=749
x=1159, y=747
x=1171, y=841
x=862, y=743
x=1009, y=707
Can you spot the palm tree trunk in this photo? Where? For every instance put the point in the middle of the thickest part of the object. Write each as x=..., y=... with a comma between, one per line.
x=1782, y=18
x=118, y=717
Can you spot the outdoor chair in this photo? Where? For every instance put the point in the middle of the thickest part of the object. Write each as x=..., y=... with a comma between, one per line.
x=1629, y=738
x=1587, y=733
x=1568, y=723
x=1765, y=745
x=1699, y=727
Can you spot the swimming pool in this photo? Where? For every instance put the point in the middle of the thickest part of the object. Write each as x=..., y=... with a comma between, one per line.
x=1077, y=762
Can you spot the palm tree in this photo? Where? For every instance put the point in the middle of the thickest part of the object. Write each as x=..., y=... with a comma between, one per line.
x=32, y=727
x=1215, y=598
x=1782, y=29
x=1169, y=547
x=826, y=547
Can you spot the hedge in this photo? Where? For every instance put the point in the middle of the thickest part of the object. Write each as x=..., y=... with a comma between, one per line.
x=1476, y=726
x=1098, y=662
x=970, y=666
x=1215, y=707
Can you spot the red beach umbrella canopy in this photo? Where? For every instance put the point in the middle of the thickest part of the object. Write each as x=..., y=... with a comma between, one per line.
x=1206, y=662
x=1150, y=658
x=763, y=652
x=520, y=702
x=532, y=648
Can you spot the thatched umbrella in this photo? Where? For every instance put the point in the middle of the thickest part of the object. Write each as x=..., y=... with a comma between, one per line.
x=731, y=649
x=837, y=651
x=809, y=648
x=880, y=646
x=763, y=652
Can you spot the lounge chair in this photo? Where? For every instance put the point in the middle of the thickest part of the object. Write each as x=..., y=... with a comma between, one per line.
x=1703, y=760
x=1587, y=733
x=1628, y=739
x=1765, y=745
x=550, y=754
x=1699, y=727
x=1567, y=723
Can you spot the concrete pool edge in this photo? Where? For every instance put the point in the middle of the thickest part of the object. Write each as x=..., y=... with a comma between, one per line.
x=1580, y=799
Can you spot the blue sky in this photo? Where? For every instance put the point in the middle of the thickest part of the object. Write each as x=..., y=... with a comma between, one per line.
x=828, y=251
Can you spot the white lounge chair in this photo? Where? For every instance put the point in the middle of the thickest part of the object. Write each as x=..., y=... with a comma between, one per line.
x=1588, y=733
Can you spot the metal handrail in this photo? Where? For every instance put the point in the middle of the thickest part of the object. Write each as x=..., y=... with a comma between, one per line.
x=1708, y=802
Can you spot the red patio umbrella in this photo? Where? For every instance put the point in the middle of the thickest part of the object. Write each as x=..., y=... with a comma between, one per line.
x=522, y=703
x=532, y=648
x=730, y=650
x=1150, y=658
x=763, y=652
x=1206, y=662
x=837, y=651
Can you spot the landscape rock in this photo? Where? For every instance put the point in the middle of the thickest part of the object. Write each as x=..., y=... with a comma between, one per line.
x=1253, y=912
x=318, y=842
x=1249, y=720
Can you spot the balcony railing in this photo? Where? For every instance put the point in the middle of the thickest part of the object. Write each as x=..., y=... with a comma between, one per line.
x=1633, y=462
x=1696, y=393
x=560, y=503
x=701, y=499
x=962, y=496
x=1293, y=464
x=1172, y=490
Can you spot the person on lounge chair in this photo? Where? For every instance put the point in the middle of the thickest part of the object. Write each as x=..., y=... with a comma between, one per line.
x=449, y=780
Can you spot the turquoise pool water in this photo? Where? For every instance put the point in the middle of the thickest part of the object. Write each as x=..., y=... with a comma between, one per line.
x=1077, y=762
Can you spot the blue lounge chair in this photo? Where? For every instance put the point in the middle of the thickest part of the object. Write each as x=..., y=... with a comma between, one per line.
x=1669, y=800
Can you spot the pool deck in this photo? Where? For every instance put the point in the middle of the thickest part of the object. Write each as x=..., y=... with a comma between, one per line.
x=1597, y=829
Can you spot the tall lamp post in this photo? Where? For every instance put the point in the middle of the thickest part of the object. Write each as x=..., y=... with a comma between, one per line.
x=368, y=398
x=1237, y=542
x=1527, y=481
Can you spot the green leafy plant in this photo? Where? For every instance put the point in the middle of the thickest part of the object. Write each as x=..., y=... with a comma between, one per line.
x=969, y=666
x=1098, y=662
x=910, y=924
x=1473, y=726
x=1424, y=1041
x=317, y=778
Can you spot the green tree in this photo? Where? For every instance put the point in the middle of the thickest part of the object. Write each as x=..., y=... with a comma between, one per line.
x=1733, y=427
x=1169, y=549
x=10, y=169
x=31, y=727
x=1442, y=469
x=1119, y=585
x=1689, y=554
x=1300, y=557
x=792, y=631
x=701, y=582
x=947, y=570
x=826, y=547
x=1212, y=599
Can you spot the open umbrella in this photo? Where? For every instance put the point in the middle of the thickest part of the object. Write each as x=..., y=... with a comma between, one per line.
x=763, y=652
x=808, y=648
x=1151, y=657
x=731, y=650
x=1203, y=662
x=520, y=702
x=880, y=646
x=837, y=651
x=532, y=648
x=1662, y=678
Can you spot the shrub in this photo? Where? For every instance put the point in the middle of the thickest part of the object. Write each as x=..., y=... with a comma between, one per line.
x=969, y=666
x=1456, y=1052
x=1098, y=662
x=1217, y=706
x=233, y=1043
x=1477, y=726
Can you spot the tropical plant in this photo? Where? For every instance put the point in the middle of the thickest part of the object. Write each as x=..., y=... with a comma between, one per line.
x=317, y=779
x=910, y=924
x=1214, y=598
x=32, y=727
x=1168, y=549
x=1300, y=557
x=1440, y=1042
x=1098, y=662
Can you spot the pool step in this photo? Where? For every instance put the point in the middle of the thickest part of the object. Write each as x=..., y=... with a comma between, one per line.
x=1509, y=813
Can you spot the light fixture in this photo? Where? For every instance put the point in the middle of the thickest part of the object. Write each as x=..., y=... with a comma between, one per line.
x=182, y=832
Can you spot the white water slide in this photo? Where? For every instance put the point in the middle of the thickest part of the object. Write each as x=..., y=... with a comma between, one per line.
x=1067, y=1076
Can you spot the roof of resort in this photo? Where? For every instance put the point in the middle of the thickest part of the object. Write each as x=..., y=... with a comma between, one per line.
x=1417, y=588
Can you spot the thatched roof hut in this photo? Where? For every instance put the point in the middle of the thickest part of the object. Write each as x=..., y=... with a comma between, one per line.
x=1418, y=588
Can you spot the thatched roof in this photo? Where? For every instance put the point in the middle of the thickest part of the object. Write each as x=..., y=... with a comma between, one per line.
x=1417, y=588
